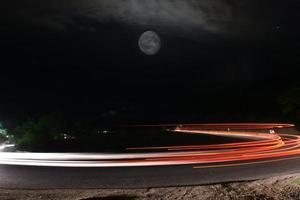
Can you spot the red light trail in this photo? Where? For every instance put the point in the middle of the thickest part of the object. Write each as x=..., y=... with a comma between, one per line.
x=262, y=147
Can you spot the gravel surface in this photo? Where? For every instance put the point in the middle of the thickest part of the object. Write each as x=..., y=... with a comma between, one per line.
x=276, y=188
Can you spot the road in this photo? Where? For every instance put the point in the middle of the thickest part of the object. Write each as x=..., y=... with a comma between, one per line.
x=137, y=177
x=267, y=155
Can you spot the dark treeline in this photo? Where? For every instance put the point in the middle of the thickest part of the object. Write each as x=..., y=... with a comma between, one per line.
x=57, y=131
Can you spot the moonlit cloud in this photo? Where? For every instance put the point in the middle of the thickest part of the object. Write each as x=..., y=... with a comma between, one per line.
x=209, y=15
x=243, y=18
x=206, y=15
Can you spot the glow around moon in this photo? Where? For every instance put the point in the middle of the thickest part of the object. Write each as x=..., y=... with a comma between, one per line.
x=149, y=43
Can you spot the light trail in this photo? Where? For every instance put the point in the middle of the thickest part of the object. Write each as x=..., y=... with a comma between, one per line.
x=264, y=148
x=4, y=146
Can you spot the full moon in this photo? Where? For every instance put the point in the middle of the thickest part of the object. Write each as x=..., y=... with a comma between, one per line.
x=149, y=43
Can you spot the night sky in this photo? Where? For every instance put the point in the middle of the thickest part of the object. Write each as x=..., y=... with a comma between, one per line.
x=220, y=60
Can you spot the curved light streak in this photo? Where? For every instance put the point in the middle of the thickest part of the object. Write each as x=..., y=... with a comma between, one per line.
x=263, y=148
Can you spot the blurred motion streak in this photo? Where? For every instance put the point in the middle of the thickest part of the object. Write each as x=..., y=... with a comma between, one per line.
x=265, y=146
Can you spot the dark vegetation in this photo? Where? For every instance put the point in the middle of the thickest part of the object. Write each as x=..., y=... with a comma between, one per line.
x=53, y=132
x=57, y=132
x=290, y=104
x=2, y=138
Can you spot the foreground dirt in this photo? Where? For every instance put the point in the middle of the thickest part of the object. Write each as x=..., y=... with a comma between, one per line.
x=277, y=188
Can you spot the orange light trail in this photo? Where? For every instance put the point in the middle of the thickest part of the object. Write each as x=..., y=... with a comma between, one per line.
x=263, y=148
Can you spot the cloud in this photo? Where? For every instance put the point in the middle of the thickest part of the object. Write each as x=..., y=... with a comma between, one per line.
x=210, y=15
x=193, y=16
x=206, y=15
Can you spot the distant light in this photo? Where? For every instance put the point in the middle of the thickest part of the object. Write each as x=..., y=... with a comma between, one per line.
x=66, y=136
